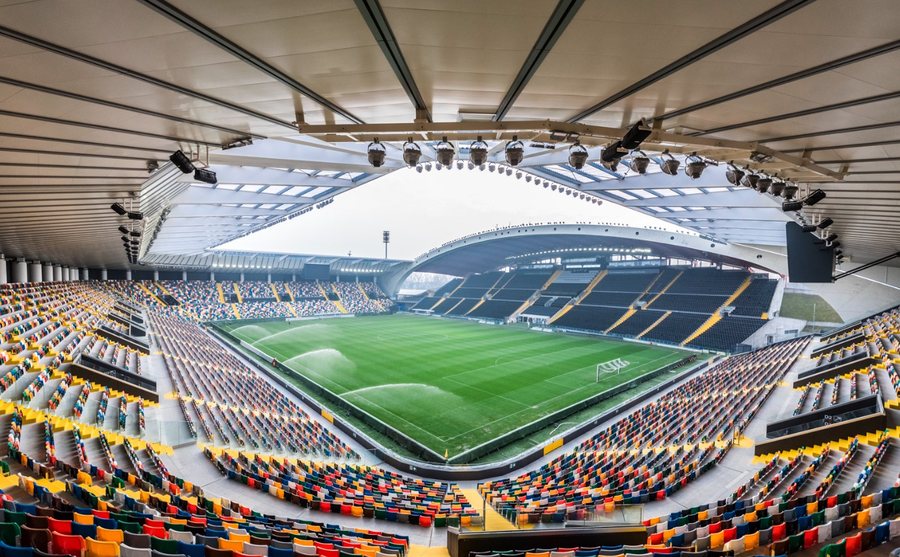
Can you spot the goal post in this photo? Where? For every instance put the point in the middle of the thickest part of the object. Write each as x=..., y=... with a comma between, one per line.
x=611, y=366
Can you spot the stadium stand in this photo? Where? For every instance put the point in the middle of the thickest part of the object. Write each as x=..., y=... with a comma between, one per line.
x=653, y=452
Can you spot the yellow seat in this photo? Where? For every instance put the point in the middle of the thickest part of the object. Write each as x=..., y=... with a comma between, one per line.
x=110, y=535
x=238, y=536
x=79, y=518
x=95, y=548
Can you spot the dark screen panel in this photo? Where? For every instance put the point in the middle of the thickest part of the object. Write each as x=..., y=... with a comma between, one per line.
x=808, y=261
x=316, y=272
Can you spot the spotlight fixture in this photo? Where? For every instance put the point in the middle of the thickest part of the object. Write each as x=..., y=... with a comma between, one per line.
x=611, y=153
x=515, y=151
x=123, y=229
x=135, y=233
x=809, y=200
x=809, y=228
x=119, y=208
x=460, y=165
x=578, y=155
x=376, y=153
x=492, y=167
x=763, y=184
x=478, y=152
x=205, y=175
x=135, y=215
x=749, y=181
x=789, y=206
x=694, y=167
x=152, y=166
x=777, y=188
x=669, y=165
x=411, y=153
x=639, y=163
x=182, y=161
x=734, y=175
x=444, y=152
x=824, y=223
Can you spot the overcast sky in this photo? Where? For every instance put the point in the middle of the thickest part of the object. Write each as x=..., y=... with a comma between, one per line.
x=425, y=210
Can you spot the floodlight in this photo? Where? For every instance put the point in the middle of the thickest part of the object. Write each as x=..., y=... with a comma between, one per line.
x=444, y=152
x=670, y=165
x=777, y=188
x=815, y=197
x=789, y=206
x=734, y=175
x=790, y=190
x=749, y=181
x=578, y=155
x=763, y=184
x=635, y=135
x=478, y=152
x=639, y=163
x=135, y=215
x=515, y=151
x=376, y=152
x=182, y=161
x=694, y=167
x=119, y=208
x=411, y=153
x=123, y=230
x=825, y=223
x=205, y=175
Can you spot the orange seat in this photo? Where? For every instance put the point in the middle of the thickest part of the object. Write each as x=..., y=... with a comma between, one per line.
x=95, y=548
x=110, y=535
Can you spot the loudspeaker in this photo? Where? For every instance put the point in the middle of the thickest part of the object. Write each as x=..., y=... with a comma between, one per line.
x=808, y=261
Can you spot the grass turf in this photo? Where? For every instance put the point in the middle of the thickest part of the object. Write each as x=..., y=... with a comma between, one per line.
x=800, y=306
x=449, y=384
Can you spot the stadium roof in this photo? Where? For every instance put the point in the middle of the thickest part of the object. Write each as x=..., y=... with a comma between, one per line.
x=527, y=244
x=89, y=92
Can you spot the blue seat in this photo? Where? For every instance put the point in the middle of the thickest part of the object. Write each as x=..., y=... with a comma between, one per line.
x=7, y=550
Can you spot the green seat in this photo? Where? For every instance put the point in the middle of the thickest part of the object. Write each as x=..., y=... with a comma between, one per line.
x=17, y=517
x=10, y=532
x=163, y=545
x=129, y=526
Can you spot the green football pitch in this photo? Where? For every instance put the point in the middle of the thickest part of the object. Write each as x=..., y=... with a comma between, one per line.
x=449, y=384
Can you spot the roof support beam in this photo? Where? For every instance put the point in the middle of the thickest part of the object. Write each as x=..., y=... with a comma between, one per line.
x=228, y=174
x=796, y=76
x=168, y=10
x=87, y=59
x=209, y=196
x=801, y=113
x=560, y=18
x=836, y=131
x=82, y=142
x=740, y=198
x=747, y=28
x=376, y=20
x=120, y=106
x=101, y=127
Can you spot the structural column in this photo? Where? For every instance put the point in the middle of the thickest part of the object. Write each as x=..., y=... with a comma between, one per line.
x=47, y=272
x=85, y=274
x=57, y=273
x=20, y=271
x=128, y=274
x=36, y=272
x=104, y=275
x=155, y=274
x=3, y=278
x=66, y=274
x=184, y=276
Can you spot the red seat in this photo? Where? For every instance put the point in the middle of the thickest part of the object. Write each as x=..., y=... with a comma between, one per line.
x=854, y=545
x=158, y=531
x=67, y=544
x=61, y=526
